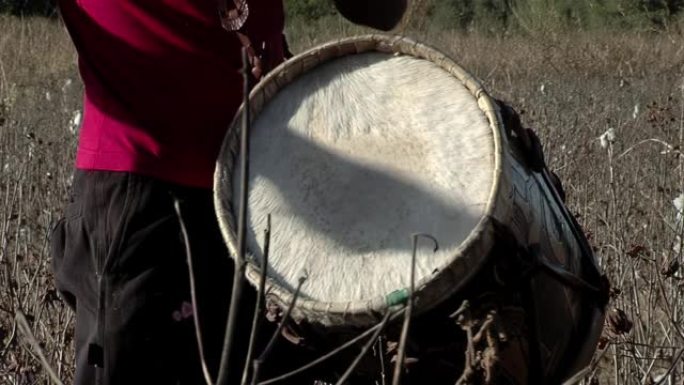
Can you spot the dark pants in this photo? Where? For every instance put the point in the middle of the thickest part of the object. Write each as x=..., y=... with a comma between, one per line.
x=119, y=261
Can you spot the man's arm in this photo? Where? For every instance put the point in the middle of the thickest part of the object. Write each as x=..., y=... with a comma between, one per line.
x=378, y=14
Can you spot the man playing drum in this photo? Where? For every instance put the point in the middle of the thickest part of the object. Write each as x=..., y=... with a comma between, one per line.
x=162, y=82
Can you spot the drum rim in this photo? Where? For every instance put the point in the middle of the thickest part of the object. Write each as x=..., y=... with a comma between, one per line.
x=473, y=251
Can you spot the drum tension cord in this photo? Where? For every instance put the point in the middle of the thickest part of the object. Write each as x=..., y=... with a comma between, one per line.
x=494, y=329
x=534, y=154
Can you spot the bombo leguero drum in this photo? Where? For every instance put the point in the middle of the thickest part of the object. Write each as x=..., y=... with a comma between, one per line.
x=362, y=142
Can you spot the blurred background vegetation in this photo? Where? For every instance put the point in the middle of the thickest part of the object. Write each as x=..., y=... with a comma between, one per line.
x=28, y=7
x=511, y=16
x=491, y=16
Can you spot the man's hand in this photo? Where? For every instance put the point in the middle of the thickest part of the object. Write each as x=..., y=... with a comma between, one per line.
x=378, y=14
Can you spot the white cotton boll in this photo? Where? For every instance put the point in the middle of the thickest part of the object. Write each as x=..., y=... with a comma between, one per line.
x=607, y=138
x=75, y=122
x=66, y=86
x=678, y=203
x=668, y=149
x=635, y=113
x=659, y=376
x=48, y=96
x=542, y=88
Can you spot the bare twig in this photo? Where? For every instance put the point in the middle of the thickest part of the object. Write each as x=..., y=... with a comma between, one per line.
x=381, y=355
x=332, y=353
x=578, y=376
x=364, y=350
x=9, y=339
x=238, y=276
x=25, y=329
x=668, y=146
x=63, y=345
x=256, y=319
x=668, y=309
x=271, y=343
x=672, y=366
x=401, y=352
x=193, y=294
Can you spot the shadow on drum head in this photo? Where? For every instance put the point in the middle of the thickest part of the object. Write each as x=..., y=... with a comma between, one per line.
x=323, y=203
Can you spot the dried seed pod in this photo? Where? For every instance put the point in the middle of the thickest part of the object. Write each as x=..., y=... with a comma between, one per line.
x=669, y=268
x=617, y=323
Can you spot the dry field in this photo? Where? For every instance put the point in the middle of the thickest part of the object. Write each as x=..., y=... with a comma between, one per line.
x=608, y=107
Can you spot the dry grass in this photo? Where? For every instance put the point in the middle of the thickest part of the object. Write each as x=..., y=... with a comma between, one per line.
x=572, y=89
x=36, y=64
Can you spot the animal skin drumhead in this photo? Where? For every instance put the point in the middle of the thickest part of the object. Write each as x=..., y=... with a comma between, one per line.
x=351, y=159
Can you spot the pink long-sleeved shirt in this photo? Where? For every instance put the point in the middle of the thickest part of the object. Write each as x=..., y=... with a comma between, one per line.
x=162, y=82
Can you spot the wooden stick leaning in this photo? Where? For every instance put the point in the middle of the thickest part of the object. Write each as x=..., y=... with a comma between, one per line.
x=401, y=351
x=240, y=265
x=271, y=343
x=193, y=294
x=25, y=329
x=256, y=320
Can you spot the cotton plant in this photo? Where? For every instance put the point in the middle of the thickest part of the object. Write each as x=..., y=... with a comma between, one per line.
x=678, y=203
x=66, y=85
x=607, y=138
x=669, y=149
x=75, y=122
x=70, y=180
x=606, y=141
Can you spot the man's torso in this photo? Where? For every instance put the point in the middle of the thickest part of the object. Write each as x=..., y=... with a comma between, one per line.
x=162, y=82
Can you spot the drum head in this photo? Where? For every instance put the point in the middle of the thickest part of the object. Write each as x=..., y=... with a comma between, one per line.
x=351, y=157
